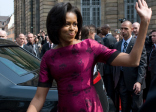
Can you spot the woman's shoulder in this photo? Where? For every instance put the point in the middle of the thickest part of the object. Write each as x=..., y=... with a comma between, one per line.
x=90, y=42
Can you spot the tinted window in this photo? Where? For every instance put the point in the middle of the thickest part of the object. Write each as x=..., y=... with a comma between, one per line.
x=18, y=60
x=21, y=63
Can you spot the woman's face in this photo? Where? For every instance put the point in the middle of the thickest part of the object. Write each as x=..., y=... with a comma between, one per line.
x=69, y=31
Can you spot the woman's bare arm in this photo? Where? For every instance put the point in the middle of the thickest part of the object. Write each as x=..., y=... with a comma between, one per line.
x=38, y=100
x=133, y=58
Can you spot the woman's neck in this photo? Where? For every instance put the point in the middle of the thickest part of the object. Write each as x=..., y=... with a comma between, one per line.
x=67, y=43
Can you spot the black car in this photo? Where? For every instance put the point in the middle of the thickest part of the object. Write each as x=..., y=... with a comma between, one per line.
x=19, y=73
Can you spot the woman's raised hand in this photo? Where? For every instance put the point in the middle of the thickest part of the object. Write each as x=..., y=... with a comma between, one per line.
x=143, y=11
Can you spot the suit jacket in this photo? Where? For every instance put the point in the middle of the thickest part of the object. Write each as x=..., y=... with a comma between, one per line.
x=109, y=42
x=131, y=74
x=29, y=47
x=153, y=63
x=150, y=103
x=148, y=45
x=99, y=39
x=45, y=48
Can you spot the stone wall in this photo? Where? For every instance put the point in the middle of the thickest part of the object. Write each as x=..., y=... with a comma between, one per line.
x=152, y=4
x=113, y=11
x=32, y=19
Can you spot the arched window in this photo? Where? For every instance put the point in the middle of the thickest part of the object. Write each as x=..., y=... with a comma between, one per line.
x=130, y=12
x=91, y=11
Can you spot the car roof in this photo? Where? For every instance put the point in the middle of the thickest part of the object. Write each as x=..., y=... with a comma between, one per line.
x=4, y=42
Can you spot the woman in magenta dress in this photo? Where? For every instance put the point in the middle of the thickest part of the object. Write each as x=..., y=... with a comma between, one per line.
x=71, y=63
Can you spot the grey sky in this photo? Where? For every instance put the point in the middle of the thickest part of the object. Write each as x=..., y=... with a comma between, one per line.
x=6, y=7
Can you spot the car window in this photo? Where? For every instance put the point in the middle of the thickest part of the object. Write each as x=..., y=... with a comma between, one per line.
x=18, y=60
x=21, y=63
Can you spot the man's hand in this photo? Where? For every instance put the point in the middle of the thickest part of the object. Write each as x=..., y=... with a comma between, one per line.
x=137, y=87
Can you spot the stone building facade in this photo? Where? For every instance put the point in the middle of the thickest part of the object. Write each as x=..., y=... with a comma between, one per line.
x=30, y=15
x=3, y=22
x=10, y=28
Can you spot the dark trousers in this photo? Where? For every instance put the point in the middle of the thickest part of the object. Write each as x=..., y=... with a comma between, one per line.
x=148, y=83
x=129, y=100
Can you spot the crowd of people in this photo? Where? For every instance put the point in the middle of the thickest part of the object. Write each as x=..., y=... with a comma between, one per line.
x=35, y=44
x=124, y=57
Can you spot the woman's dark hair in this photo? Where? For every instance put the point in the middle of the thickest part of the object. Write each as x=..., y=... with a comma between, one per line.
x=56, y=19
x=85, y=32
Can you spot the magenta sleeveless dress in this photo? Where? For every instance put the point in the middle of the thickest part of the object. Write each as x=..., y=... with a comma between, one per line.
x=72, y=68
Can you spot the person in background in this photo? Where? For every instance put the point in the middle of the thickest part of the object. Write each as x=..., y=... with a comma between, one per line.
x=88, y=32
x=37, y=42
x=31, y=46
x=130, y=81
x=150, y=103
x=148, y=46
x=46, y=47
x=84, y=32
x=136, y=27
x=47, y=38
x=151, y=57
x=75, y=78
x=99, y=37
x=43, y=36
x=92, y=32
x=3, y=34
x=116, y=36
x=20, y=40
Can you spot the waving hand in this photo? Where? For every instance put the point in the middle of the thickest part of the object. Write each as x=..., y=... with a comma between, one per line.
x=143, y=11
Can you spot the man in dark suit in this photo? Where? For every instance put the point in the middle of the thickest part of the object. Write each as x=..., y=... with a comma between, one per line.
x=31, y=46
x=148, y=46
x=150, y=103
x=152, y=57
x=99, y=37
x=109, y=41
x=153, y=64
x=130, y=81
x=148, y=41
x=46, y=47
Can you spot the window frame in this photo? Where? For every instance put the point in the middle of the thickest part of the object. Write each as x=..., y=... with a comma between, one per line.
x=134, y=13
x=91, y=7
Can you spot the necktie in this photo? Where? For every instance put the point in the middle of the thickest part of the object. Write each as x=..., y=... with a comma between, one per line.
x=125, y=46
